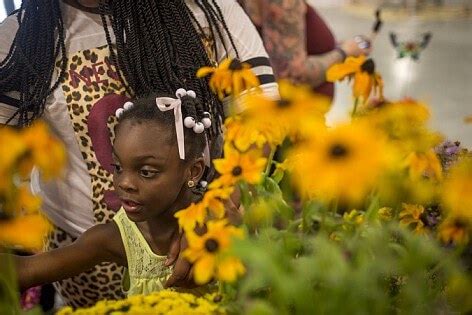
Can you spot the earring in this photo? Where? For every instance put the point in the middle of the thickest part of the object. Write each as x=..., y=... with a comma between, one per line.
x=191, y=184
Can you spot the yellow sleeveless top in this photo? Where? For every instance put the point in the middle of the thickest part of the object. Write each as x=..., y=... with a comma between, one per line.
x=146, y=271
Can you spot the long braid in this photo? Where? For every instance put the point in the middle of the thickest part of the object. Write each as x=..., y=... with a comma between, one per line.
x=159, y=47
x=29, y=65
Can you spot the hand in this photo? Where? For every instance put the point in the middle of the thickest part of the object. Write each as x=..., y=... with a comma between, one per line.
x=356, y=46
x=182, y=275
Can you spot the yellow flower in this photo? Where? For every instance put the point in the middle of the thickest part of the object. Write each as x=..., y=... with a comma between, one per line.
x=405, y=124
x=26, y=202
x=385, y=214
x=243, y=137
x=352, y=219
x=164, y=302
x=363, y=72
x=191, y=216
x=209, y=253
x=236, y=166
x=230, y=77
x=46, y=152
x=12, y=148
x=196, y=214
x=411, y=215
x=26, y=231
x=343, y=162
x=213, y=201
x=424, y=165
x=295, y=102
x=457, y=190
x=455, y=230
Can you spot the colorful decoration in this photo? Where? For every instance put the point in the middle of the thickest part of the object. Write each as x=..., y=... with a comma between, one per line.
x=410, y=48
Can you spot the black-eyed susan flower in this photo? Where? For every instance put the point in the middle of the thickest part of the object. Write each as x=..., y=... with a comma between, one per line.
x=242, y=137
x=455, y=230
x=343, y=162
x=237, y=166
x=424, y=164
x=362, y=70
x=197, y=213
x=412, y=216
x=191, y=216
x=26, y=231
x=45, y=151
x=457, y=190
x=12, y=150
x=405, y=124
x=213, y=201
x=231, y=77
x=209, y=253
x=297, y=110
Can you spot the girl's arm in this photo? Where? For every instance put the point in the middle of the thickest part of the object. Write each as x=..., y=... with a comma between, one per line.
x=99, y=244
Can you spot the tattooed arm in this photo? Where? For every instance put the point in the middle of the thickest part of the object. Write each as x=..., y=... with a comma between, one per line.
x=283, y=26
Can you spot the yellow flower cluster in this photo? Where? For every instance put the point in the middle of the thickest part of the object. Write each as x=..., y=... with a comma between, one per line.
x=162, y=302
x=386, y=151
x=457, y=201
x=20, y=151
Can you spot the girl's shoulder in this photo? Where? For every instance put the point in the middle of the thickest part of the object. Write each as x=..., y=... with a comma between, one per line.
x=106, y=239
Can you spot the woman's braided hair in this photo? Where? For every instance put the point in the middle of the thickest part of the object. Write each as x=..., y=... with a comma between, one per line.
x=158, y=49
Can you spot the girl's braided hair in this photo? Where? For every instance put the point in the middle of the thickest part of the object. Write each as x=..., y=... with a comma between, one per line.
x=158, y=49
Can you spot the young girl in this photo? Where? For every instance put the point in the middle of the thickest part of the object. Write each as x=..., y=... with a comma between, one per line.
x=158, y=162
x=74, y=62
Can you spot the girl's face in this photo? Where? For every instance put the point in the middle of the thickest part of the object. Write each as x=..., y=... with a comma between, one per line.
x=149, y=177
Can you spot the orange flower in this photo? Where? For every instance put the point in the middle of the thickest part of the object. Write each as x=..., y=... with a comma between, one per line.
x=196, y=214
x=411, y=216
x=363, y=72
x=236, y=166
x=26, y=232
x=295, y=102
x=209, y=253
x=424, y=164
x=455, y=230
x=230, y=77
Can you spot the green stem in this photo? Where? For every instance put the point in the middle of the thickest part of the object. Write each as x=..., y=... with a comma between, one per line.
x=246, y=198
x=354, y=110
x=269, y=161
x=335, y=206
x=8, y=285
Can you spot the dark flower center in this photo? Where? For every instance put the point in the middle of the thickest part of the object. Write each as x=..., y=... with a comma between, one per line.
x=460, y=224
x=211, y=245
x=4, y=216
x=338, y=151
x=283, y=103
x=235, y=65
x=237, y=171
x=368, y=66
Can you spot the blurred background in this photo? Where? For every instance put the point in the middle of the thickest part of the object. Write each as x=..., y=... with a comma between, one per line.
x=442, y=76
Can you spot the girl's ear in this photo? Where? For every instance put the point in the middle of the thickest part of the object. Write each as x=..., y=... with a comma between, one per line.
x=196, y=169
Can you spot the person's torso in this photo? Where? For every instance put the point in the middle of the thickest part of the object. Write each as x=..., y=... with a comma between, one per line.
x=146, y=270
x=81, y=113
